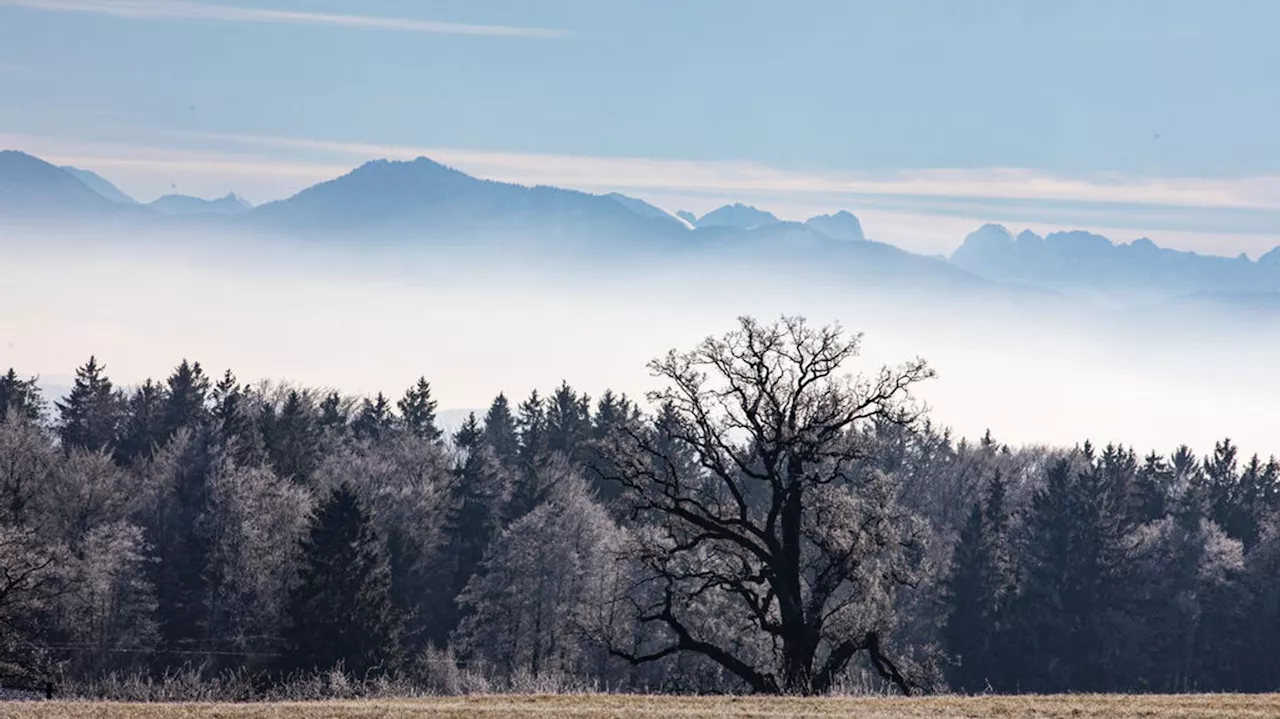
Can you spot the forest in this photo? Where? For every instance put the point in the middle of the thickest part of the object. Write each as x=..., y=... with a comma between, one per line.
x=775, y=520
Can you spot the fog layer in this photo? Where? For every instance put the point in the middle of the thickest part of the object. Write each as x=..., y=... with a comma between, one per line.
x=362, y=321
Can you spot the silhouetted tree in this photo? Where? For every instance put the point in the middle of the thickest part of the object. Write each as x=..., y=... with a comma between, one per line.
x=980, y=586
x=418, y=411
x=292, y=438
x=783, y=529
x=500, y=431
x=185, y=398
x=90, y=415
x=20, y=397
x=143, y=428
x=341, y=610
x=374, y=419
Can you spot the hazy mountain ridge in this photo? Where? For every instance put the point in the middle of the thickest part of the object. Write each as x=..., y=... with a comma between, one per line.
x=426, y=203
x=185, y=205
x=1079, y=260
x=100, y=185
x=737, y=216
x=33, y=188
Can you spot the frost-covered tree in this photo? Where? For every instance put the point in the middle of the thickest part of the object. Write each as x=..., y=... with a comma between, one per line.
x=778, y=556
x=533, y=608
x=252, y=514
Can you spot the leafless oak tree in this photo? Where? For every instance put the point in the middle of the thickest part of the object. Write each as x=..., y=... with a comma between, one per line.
x=765, y=540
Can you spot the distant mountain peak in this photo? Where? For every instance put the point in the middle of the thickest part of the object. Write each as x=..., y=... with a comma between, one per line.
x=184, y=205
x=988, y=237
x=31, y=186
x=1083, y=260
x=99, y=184
x=842, y=225
x=233, y=198
x=644, y=209
x=738, y=215
x=1078, y=240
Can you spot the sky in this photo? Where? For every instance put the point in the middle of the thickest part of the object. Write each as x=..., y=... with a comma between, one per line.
x=1139, y=118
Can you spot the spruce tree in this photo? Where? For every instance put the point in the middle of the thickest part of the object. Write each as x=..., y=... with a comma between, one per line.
x=979, y=588
x=143, y=427
x=90, y=415
x=529, y=487
x=333, y=416
x=1078, y=592
x=20, y=398
x=418, y=411
x=341, y=609
x=292, y=439
x=234, y=413
x=188, y=389
x=531, y=424
x=568, y=423
x=374, y=419
x=612, y=411
x=470, y=434
x=476, y=501
x=182, y=538
x=500, y=431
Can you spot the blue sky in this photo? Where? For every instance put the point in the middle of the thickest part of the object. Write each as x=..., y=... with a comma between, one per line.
x=924, y=118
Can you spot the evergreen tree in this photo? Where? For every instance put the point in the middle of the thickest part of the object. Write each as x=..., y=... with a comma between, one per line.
x=568, y=423
x=341, y=609
x=1153, y=487
x=292, y=439
x=143, y=427
x=374, y=419
x=181, y=536
x=188, y=389
x=333, y=415
x=500, y=431
x=476, y=500
x=531, y=425
x=612, y=411
x=20, y=398
x=979, y=588
x=90, y=415
x=470, y=435
x=418, y=411
x=1074, y=602
x=233, y=413
x=1255, y=500
x=531, y=478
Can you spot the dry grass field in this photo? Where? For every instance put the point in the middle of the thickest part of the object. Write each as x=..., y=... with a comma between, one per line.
x=620, y=707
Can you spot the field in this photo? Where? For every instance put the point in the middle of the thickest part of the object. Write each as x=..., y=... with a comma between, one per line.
x=608, y=707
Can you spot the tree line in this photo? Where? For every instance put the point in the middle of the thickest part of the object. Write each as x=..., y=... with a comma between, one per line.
x=766, y=522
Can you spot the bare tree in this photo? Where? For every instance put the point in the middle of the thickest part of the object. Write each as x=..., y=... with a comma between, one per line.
x=776, y=552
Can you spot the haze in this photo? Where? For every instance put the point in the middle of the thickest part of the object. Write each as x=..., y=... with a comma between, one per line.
x=364, y=321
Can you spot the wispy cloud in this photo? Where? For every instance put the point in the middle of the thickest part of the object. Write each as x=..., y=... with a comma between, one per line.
x=592, y=172
x=186, y=10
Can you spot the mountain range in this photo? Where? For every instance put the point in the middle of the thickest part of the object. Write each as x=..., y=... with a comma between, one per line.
x=429, y=203
x=1087, y=261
